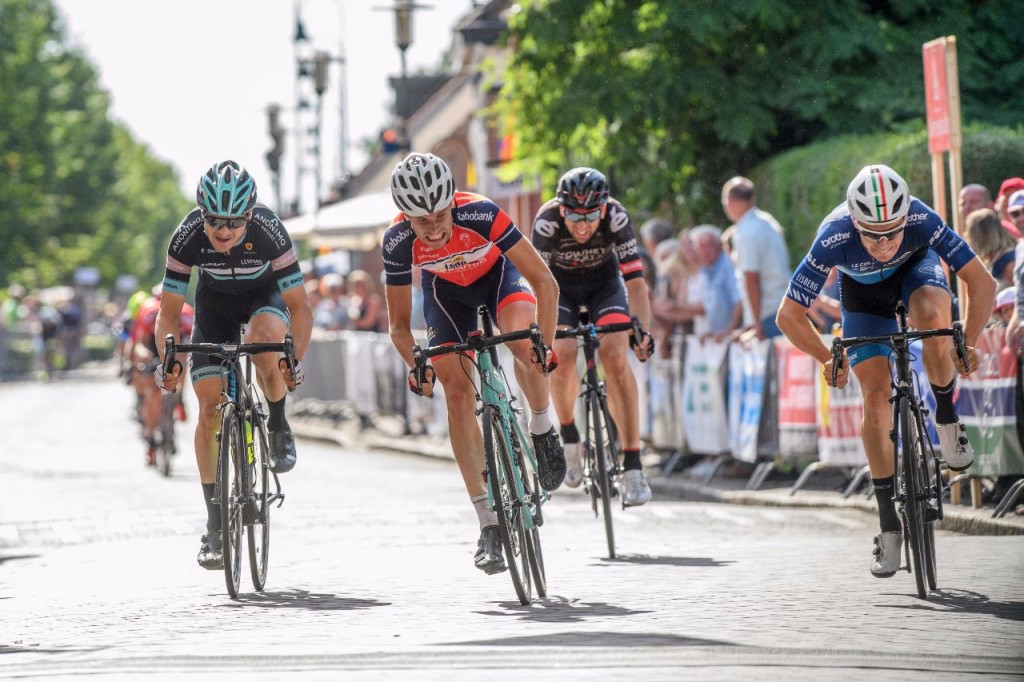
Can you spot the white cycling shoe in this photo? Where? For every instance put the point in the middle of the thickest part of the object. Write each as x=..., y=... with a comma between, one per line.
x=573, y=464
x=956, y=449
x=886, y=554
x=636, y=489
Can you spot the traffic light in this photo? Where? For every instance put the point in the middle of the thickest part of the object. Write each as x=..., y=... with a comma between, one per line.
x=277, y=135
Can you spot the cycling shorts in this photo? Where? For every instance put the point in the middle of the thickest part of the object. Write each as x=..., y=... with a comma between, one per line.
x=219, y=317
x=870, y=309
x=449, y=309
x=607, y=301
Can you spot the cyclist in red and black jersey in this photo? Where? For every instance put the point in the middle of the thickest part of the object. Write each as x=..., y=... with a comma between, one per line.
x=248, y=274
x=470, y=254
x=587, y=238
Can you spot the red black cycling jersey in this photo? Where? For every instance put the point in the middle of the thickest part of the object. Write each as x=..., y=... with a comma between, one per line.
x=263, y=256
x=612, y=245
x=482, y=232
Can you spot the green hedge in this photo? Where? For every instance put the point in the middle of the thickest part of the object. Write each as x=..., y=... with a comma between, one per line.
x=802, y=186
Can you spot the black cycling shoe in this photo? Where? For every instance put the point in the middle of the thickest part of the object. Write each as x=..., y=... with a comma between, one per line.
x=550, y=459
x=282, y=451
x=488, y=556
x=211, y=552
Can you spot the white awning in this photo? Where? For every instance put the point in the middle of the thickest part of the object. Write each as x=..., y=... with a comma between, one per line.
x=355, y=224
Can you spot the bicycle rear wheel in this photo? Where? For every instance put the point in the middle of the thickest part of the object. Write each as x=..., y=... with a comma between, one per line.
x=229, y=483
x=501, y=478
x=167, y=447
x=914, y=493
x=599, y=473
x=259, y=529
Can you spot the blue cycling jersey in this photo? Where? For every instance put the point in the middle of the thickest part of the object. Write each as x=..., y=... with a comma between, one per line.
x=837, y=244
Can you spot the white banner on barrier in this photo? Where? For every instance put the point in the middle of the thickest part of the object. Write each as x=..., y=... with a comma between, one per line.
x=747, y=366
x=840, y=412
x=704, y=409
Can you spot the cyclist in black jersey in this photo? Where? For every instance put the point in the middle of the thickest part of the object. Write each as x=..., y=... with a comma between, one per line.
x=586, y=238
x=248, y=274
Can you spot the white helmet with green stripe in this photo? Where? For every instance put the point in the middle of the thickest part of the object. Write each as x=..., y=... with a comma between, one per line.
x=878, y=195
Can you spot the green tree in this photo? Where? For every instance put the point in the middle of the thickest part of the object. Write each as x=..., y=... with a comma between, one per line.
x=672, y=98
x=75, y=188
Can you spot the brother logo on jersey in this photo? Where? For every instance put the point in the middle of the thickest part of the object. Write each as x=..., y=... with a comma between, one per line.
x=836, y=238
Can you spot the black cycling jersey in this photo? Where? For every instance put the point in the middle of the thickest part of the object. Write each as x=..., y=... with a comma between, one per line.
x=612, y=246
x=263, y=256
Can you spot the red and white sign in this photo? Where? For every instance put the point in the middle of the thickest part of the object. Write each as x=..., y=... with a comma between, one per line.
x=936, y=94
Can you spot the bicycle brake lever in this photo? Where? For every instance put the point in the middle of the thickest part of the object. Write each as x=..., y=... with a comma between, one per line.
x=837, y=358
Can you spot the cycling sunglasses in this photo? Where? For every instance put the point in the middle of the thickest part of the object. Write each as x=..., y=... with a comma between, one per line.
x=876, y=237
x=217, y=222
x=574, y=217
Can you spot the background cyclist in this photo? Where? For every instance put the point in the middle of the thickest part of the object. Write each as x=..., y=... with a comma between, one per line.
x=248, y=273
x=587, y=239
x=470, y=254
x=886, y=245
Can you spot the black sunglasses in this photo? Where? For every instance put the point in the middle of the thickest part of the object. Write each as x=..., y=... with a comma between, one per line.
x=231, y=223
x=876, y=237
x=575, y=217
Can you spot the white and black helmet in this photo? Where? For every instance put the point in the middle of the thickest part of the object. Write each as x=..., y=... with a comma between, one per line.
x=422, y=184
x=878, y=195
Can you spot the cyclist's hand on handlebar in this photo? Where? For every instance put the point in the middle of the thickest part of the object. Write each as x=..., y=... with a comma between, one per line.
x=644, y=348
x=167, y=383
x=295, y=376
x=972, y=359
x=426, y=387
x=842, y=374
x=550, y=360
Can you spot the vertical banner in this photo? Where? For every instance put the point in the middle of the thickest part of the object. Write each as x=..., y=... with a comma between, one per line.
x=798, y=422
x=986, y=404
x=748, y=364
x=704, y=408
x=936, y=95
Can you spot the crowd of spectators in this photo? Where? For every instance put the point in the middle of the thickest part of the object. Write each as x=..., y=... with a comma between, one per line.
x=343, y=302
x=52, y=319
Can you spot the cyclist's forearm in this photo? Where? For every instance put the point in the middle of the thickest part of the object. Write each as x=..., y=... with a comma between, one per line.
x=794, y=323
x=639, y=301
x=403, y=340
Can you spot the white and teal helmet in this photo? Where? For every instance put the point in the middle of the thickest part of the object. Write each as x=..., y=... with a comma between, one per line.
x=226, y=190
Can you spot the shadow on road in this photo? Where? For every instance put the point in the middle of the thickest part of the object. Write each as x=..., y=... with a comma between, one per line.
x=303, y=599
x=965, y=601
x=647, y=560
x=596, y=639
x=555, y=609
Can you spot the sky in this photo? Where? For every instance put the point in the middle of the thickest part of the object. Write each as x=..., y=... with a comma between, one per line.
x=192, y=79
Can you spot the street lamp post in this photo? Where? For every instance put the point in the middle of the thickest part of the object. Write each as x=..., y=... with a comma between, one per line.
x=403, y=10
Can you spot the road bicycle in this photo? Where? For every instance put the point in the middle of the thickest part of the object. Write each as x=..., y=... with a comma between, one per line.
x=919, y=487
x=166, y=444
x=513, y=492
x=242, y=489
x=602, y=475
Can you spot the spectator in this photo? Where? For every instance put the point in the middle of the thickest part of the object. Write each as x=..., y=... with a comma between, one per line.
x=762, y=260
x=331, y=311
x=722, y=305
x=364, y=303
x=1006, y=190
x=825, y=311
x=972, y=198
x=671, y=317
x=652, y=233
x=1003, y=311
x=1015, y=209
x=992, y=244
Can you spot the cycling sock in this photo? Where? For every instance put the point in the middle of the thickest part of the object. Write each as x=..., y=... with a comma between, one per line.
x=631, y=460
x=275, y=420
x=888, y=520
x=540, y=421
x=212, y=510
x=945, y=413
x=488, y=517
x=569, y=433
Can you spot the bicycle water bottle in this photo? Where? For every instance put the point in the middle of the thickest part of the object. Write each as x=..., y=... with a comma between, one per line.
x=250, y=455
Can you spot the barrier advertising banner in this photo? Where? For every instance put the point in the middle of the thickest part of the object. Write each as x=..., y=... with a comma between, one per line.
x=798, y=422
x=748, y=364
x=839, y=416
x=987, y=405
x=704, y=408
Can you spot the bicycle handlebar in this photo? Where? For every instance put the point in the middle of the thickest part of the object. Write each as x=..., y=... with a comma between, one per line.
x=478, y=342
x=227, y=351
x=585, y=331
x=956, y=331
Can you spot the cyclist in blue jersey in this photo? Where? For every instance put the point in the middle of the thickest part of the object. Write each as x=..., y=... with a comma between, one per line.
x=887, y=247
x=470, y=253
x=248, y=274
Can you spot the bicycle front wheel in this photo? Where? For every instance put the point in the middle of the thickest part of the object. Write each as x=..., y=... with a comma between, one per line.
x=502, y=477
x=914, y=493
x=259, y=529
x=167, y=446
x=600, y=474
x=229, y=484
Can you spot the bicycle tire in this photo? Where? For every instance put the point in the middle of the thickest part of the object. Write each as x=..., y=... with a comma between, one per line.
x=259, y=531
x=933, y=479
x=603, y=483
x=229, y=495
x=913, y=506
x=167, y=446
x=511, y=525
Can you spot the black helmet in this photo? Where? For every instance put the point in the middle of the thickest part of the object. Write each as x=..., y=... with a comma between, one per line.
x=226, y=190
x=583, y=188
